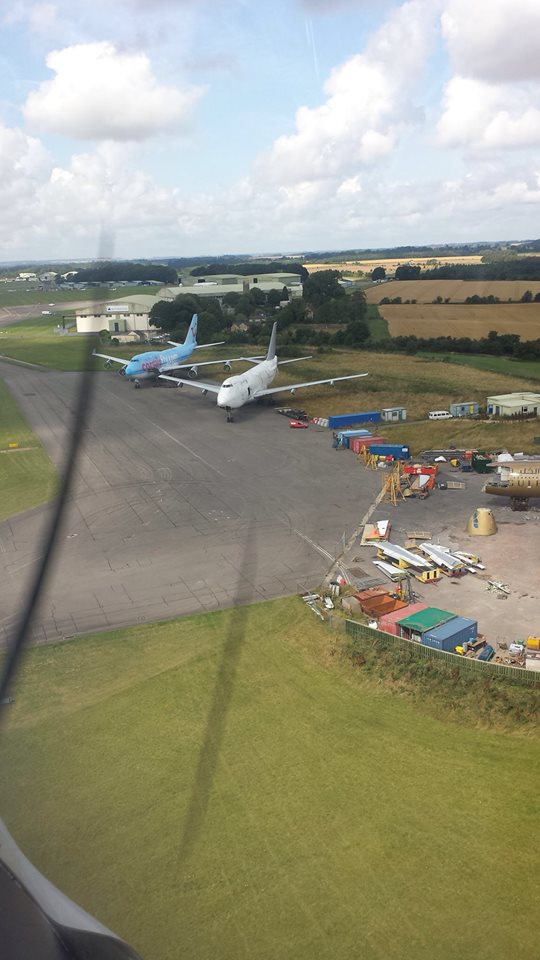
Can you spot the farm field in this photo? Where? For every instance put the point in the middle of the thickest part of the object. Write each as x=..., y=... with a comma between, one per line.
x=27, y=476
x=425, y=291
x=366, y=266
x=460, y=320
x=224, y=784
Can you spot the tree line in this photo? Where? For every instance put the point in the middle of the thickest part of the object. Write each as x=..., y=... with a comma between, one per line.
x=249, y=268
x=116, y=270
x=495, y=345
x=324, y=304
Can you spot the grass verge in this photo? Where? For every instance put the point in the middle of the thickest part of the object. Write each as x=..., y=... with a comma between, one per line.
x=27, y=476
x=226, y=785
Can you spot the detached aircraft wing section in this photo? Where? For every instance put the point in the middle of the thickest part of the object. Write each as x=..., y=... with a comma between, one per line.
x=310, y=383
x=205, y=387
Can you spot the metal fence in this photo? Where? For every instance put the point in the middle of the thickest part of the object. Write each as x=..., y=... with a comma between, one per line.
x=360, y=631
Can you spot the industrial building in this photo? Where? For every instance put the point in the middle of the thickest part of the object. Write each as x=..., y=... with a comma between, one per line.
x=119, y=316
x=514, y=405
x=218, y=285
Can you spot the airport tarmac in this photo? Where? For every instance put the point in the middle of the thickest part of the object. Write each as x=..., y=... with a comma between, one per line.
x=173, y=510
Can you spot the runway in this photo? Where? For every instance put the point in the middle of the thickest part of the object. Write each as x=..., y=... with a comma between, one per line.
x=165, y=498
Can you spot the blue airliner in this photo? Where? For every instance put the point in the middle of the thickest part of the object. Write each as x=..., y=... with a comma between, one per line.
x=153, y=364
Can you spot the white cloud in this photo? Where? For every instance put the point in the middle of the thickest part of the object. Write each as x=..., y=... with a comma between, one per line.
x=101, y=93
x=479, y=115
x=493, y=40
x=367, y=105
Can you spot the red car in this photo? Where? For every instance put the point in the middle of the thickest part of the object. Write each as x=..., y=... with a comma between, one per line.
x=299, y=424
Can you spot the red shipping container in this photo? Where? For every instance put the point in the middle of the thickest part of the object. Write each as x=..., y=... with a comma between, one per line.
x=389, y=621
x=357, y=443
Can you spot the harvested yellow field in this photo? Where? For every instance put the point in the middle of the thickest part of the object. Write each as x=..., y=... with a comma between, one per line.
x=425, y=291
x=366, y=266
x=459, y=320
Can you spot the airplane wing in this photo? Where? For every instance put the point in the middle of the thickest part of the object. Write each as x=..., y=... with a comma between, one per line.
x=256, y=360
x=198, y=346
x=296, y=360
x=206, y=387
x=205, y=363
x=310, y=383
x=114, y=359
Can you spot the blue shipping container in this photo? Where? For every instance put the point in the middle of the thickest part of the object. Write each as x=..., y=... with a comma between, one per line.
x=395, y=450
x=345, y=435
x=453, y=633
x=349, y=419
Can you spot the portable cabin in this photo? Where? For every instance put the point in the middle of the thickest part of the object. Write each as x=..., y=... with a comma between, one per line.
x=415, y=626
x=464, y=409
x=393, y=414
x=455, y=632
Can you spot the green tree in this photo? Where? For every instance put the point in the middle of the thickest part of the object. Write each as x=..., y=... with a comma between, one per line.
x=406, y=271
x=379, y=273
x=527, y=297
x=323, y=286
x=257, y=297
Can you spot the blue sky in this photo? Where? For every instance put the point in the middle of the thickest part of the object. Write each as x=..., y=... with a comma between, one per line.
x=189, y=127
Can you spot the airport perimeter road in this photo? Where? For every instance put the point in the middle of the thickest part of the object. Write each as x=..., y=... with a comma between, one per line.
x=175, y=511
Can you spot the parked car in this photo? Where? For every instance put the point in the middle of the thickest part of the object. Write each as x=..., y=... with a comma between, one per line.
x=299, y=424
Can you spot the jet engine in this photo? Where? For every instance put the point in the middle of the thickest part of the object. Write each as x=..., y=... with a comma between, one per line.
x=227, y=366
x=107, y=364
x=122, y=371
x=292, y=392
x=192, y=373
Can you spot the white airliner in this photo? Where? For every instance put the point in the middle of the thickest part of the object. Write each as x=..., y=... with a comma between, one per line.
x=254, y=384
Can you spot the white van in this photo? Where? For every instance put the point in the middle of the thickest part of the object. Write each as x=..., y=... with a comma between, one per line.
x=440, y=415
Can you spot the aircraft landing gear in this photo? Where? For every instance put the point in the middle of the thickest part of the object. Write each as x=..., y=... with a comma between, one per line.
x=137, y=384
x=519, y=503
x=230, y=418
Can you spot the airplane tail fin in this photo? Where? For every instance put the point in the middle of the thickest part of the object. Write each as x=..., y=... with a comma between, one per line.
x=191, y=335
x=272, y=345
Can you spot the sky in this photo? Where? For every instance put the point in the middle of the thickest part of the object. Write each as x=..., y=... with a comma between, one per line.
x=193, y=127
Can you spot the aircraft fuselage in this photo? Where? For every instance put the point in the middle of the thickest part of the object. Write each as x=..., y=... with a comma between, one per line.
x=244, y=387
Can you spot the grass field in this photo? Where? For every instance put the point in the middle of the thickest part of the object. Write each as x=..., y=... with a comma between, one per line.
x=460, y=320
x=221, y=787
x=526, y=369
x=27, y=476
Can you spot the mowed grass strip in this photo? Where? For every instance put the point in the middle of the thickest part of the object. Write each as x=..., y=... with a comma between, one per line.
x=27, y=476
x=325, y=818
